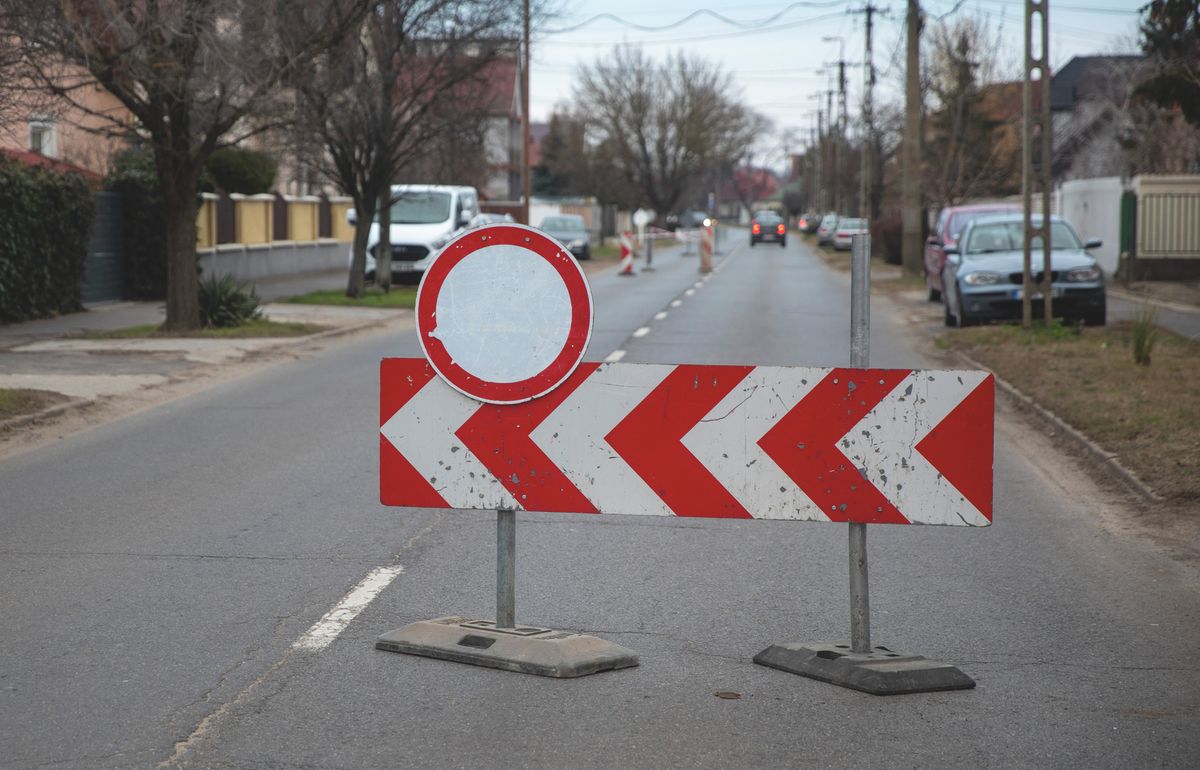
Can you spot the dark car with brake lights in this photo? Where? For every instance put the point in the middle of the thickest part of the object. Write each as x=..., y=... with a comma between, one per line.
x=984, y=273
x=768, y=226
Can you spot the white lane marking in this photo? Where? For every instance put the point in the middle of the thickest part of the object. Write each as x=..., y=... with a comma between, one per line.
x=335, y=621
x=615, y=356
x=660, y=315
x=642, y=332
x=698, y=284
x=676, y=302
x=690, y=292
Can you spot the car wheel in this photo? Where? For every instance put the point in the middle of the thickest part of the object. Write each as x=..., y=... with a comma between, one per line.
x=752, y=242
x=783, y=243
x=934, y=295
x=963, y=319
x=587, y=253
x=1095, y=317
x=948, y=317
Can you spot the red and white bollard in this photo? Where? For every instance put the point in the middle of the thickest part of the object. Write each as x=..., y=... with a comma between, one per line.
x=706, y=250
x=626, y=254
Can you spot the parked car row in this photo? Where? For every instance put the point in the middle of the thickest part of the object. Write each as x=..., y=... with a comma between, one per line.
x=424, y=218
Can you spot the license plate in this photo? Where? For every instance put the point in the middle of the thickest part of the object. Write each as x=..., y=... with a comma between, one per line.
x=1055, y=291
x=403, y=267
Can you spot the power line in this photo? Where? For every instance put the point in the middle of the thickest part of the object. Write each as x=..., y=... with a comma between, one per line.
x=697, y=38
x=693, y=15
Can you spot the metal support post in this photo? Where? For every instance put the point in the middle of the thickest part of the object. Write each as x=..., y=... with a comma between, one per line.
x=506, y=568
x=649, y=268
x=860, y=355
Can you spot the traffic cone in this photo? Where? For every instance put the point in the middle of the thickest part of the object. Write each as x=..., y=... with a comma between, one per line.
x=626, y=254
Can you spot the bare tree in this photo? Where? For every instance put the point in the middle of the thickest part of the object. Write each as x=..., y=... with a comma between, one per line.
x=382, y=101
x=667, y=125
x=193, y=73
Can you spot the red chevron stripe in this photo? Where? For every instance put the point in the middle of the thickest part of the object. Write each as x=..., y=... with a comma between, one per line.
x=804, y=445
x=498, y=435
x=399, y=482
x=649, y=439
x=961, y=446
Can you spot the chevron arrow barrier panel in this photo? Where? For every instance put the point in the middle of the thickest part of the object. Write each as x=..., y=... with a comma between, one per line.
x=874, y=446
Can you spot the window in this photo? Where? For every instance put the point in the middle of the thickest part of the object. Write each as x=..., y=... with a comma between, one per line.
x=43, y=137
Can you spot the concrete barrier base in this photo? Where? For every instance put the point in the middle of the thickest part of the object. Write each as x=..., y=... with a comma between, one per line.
x=879, y=672
x=524, y=649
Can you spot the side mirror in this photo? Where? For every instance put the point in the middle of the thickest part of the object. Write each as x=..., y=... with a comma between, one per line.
x=952, y=251
x=464, y=218
x=1093, y=243
x=351, y=217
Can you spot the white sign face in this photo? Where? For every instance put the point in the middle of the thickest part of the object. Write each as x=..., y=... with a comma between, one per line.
x=641, y=217
x=503, y=314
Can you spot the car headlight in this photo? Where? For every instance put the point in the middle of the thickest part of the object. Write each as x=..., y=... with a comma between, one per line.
x=438, y=242
x=982, y=278
x=576, y=244
x=1084, y=274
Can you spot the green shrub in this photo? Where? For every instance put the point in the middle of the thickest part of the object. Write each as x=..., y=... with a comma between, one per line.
x=143, y=228
x=234, y=170
x=45, y=220
x=1145, y=334
x=224, y=302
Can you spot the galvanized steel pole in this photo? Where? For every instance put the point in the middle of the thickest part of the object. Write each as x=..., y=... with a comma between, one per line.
x=506, y=568
x=860, y=346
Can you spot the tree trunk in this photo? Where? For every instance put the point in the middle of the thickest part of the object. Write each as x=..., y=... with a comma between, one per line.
x=383, y=252
x=356, y=286
x=183, y=290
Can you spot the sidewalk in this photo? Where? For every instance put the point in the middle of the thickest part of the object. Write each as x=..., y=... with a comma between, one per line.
x=51, y=355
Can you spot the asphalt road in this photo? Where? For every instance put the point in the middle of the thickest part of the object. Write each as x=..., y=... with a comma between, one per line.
x=159, y=570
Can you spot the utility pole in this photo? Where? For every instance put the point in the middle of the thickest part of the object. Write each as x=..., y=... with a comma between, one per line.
x=525, y=170
x=865, y=177
x=912, y=245
x=833, y=149
x=1039, y=120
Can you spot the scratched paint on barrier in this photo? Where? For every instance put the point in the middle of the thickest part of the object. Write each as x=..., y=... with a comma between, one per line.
x=802, y=443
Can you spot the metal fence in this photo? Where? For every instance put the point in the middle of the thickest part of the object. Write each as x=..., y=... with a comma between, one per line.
x=1168, y=225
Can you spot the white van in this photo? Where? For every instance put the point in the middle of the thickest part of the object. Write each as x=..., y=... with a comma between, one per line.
x=424, y=218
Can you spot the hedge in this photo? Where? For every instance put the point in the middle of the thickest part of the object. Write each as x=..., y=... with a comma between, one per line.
x=45, y=221
x=143, y=234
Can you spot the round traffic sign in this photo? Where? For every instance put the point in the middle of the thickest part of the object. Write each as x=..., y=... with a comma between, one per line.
x=504, y=314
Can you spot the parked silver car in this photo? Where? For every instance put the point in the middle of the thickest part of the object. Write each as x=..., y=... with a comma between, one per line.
x=571, y=231
x=984, y=273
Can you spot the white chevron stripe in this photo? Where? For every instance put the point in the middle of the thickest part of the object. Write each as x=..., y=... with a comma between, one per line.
x=726, y=442
x=884, y=444
x=573, y=437
x=423, y=431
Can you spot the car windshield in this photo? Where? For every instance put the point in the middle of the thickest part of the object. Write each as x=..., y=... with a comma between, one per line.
x=421, y=208
x=768, y=219
x=963, y=218
x=562, y=223
x=1007, y=236
x=851, y=224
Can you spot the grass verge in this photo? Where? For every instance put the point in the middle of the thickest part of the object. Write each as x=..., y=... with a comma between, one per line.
x=260, y=327
x=398, y=297
x=17, y=402
x=1148, y=415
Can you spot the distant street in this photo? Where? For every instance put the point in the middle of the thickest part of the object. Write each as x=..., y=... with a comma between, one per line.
x=159, y=570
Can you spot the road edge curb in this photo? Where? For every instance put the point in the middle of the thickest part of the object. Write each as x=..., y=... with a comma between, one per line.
x=22, y=420
x=1127, y=477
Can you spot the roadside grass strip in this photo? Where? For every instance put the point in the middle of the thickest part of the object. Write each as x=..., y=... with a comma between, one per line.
x=399, y=297
x=259, y=327
x=329, y=627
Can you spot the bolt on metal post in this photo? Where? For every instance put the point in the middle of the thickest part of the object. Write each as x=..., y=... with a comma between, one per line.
x=860, y=345
x=506, y=568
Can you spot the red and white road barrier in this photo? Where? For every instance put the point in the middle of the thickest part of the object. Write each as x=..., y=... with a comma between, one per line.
x=872, y=446
x=626, y=254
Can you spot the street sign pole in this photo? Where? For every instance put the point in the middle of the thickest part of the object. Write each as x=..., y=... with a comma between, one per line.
x=506, y=568
x=860, y=355
x=859, y=666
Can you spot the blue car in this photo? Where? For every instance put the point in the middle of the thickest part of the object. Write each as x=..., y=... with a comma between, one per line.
x=983, y=274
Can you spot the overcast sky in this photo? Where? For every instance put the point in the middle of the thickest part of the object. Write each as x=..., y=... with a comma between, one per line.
x=775, y=66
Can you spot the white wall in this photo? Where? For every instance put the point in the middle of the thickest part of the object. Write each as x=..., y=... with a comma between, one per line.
x=1093, y=207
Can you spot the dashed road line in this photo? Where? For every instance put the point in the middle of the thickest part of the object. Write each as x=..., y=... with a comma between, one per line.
x=642, y=332
x=660, y=315
x=614, y=356
x=335, y=621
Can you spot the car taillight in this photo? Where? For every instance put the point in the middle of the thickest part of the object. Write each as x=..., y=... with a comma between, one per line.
x=782, y=229
x=757, y=229
x=949, y=244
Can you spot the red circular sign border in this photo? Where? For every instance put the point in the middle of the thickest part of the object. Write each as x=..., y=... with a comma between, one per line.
x=578, y=290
